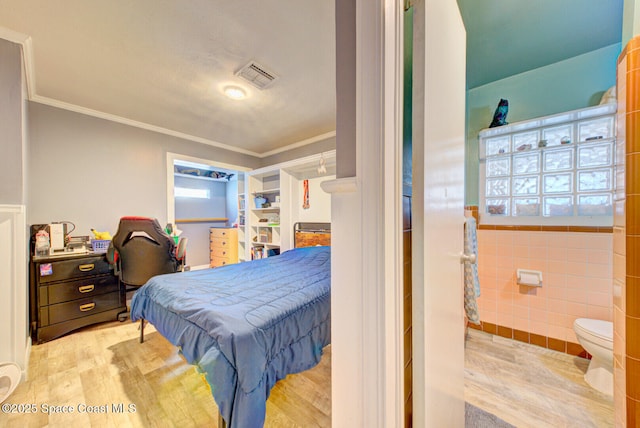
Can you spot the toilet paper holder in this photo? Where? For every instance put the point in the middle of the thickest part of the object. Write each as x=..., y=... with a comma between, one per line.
x=530, y=278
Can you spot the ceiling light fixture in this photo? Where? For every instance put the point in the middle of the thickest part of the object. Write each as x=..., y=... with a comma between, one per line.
x=235, y=92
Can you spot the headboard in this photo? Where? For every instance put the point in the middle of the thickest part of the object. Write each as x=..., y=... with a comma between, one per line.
x=311, y=234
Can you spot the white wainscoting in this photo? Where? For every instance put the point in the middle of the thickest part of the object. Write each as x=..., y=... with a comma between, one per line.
x=14, y=316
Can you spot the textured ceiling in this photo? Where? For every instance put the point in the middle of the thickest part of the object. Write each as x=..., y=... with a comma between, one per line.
x=509, y=37
x=164, y=62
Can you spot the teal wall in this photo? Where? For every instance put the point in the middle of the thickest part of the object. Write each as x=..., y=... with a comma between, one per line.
x=572, y=84
x=630, y=20
x=407, y=122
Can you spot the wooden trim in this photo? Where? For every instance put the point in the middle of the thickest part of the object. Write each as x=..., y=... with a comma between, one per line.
x=537, y=228
x=559, y=345
x=202, y=220
x=582, y=229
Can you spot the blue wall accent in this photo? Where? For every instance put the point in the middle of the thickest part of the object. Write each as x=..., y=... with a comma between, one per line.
x=571, y=84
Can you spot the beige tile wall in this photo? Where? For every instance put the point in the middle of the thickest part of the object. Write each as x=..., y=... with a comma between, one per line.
x=626, y=339
x=619, y=257
x=576, y=269
x=544, y=316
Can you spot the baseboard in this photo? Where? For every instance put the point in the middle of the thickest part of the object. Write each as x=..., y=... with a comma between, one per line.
x=199, y=267
x=27, y=357
x=532, y=338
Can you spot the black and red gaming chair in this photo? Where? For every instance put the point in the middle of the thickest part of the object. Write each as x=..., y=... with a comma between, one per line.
x=141, y=249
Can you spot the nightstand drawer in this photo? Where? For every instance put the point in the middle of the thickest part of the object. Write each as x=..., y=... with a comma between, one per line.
x=220, y=261
x=222, y=252
x=69, y=269
x=220, y=233
x=80, y=289
x=61, y=312
x=222, y=243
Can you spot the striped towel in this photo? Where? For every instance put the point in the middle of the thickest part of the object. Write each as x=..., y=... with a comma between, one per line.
x=471, y=281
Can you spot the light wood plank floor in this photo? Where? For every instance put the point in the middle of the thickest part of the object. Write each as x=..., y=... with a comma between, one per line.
x=104, y=365
x=529, y=386
x=525, y=385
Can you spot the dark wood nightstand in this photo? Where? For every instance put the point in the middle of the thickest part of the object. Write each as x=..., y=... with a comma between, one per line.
x=72, y=291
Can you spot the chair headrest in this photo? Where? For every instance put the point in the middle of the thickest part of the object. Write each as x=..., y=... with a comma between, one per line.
x=145, y=227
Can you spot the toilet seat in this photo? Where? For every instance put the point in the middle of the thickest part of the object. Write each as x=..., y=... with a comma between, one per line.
x=597, y=331
x=9, y=378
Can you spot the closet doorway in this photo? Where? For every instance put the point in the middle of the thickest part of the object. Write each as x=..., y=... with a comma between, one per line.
x=201, y=194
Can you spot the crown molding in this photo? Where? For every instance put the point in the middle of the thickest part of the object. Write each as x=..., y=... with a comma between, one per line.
x=302, y=143
x=119, y=119
x=26, y=43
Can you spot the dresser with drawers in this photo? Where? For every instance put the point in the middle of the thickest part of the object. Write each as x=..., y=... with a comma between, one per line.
x=223, y=243
x=72, y=291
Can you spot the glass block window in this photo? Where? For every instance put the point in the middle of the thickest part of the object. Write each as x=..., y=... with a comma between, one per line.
x=549, y=172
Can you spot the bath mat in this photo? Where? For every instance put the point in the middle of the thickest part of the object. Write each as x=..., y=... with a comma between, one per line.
x=475, y=417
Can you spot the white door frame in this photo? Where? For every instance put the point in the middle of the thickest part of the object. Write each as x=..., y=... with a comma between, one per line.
x=366, y=291
x=367, y=351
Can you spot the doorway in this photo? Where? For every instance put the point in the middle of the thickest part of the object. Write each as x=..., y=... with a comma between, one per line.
x=201, y=194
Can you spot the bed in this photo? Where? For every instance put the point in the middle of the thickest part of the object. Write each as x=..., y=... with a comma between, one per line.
x=245, y=326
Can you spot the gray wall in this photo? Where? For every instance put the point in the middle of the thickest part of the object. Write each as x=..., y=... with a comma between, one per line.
x=345, y=88
x=300, y=152
x=11, y=162
x=93, y=171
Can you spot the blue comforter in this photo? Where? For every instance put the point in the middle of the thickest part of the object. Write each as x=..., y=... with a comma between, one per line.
x=246, y=325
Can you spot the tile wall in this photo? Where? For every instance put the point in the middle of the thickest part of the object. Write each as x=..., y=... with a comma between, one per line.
x=576, y=270
x=596, y=275
x=626, y=273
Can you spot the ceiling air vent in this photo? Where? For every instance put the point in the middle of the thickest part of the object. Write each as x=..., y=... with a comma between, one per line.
x=257, y=75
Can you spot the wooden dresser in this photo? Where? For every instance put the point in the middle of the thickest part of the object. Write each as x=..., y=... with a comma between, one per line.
x=223, y=243
x=70, y=292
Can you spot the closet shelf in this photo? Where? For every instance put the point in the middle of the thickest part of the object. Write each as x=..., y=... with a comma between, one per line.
x=203, y=220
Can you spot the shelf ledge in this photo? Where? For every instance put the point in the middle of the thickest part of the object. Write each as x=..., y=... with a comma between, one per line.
x=265, y=244
x=340, y=185
x=203, y=220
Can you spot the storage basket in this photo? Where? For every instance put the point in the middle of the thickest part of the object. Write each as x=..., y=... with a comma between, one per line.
x=100, y=245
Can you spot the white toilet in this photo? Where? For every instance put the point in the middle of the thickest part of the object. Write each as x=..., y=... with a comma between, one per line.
x=596, y=337
x=9, y=378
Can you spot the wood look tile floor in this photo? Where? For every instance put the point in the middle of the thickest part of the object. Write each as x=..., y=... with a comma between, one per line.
x=530, y=386
x=105, y=365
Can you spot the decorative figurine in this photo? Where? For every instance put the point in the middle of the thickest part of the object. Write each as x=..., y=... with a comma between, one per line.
x=500, y=115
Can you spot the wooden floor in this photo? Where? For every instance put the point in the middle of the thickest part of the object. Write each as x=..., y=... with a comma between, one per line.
x=106, y=366
x=530, y=386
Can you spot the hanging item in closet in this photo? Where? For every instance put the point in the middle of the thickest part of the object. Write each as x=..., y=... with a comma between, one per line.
x=305, y=196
